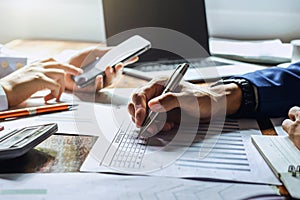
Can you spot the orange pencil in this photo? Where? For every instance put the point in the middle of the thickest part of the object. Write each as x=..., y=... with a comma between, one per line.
x=35, y=110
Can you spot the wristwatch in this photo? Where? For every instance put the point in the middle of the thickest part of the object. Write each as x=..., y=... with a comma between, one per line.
x=249, y=100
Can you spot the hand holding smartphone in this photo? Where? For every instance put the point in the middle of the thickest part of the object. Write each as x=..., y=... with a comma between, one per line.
x=130, y=48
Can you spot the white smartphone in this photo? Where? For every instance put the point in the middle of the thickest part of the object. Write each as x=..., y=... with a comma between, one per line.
x=133, y=46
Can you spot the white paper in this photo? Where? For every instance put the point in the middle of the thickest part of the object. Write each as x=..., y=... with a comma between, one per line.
x=82, y=120
x=266, y=51
x=73, y=186
x=233, y=156
x=279, y=151
x=250, y=48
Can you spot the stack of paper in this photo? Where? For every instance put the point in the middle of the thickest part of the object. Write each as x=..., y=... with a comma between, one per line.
x=259, y=51
x=280, y=153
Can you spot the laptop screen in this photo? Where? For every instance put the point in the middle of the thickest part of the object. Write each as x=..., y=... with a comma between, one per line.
x=185, y=16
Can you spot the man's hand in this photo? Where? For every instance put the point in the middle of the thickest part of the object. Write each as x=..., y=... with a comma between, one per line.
x=194, y=101
x=87, y=56
x=292, y=125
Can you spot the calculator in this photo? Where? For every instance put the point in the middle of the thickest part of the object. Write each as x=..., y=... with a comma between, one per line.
x=20, y=141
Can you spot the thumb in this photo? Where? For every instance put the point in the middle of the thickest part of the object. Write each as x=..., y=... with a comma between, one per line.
x=286, y=125
x=164, y=103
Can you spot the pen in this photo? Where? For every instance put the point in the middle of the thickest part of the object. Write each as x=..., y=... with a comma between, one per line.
x=172, y=83
x=35, y=110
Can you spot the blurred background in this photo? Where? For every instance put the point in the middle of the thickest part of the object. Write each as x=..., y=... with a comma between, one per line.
x=83, y=19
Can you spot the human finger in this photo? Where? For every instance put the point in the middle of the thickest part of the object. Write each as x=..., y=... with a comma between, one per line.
x=287, y=124
x=59, y=77
x=131, y=111
x=131, y=61
x=293, y=130
x=118, y=68
x=87, y=56
x=108, y=76
x=164, y=103
x=140, y=99
x=49, y=83
x=70, y=69
x=150, y=90
x=140, y=108
x=48, y=60
x=294, y=113
x=99, y=83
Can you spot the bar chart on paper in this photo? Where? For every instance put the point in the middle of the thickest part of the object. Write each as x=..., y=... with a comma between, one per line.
x=228, y=151
x=227, y=156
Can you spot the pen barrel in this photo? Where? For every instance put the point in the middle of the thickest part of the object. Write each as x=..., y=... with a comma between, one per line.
x=33, y=111
x=176, y=77
x=52, y=108
x=170, y=86
x=14, y=113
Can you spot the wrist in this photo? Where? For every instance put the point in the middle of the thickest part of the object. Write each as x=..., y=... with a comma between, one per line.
x=233, y=95
x=11, y=95
x=3, y=99
x=241, y=97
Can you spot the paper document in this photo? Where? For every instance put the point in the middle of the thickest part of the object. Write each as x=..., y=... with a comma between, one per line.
x=67, y=121
x=81, y=120
x=226, y=156
x=260, y=51
x=280, y=153
x=78, y=186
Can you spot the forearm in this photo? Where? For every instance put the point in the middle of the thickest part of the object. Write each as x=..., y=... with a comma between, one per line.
x=277, y=89
x=234, y=98
x=240, y=96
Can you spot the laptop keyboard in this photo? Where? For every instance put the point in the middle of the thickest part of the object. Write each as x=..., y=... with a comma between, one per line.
x=171, y=65
x=130, y=150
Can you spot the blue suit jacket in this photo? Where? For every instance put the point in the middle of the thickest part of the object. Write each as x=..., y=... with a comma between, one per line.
x=278, y=89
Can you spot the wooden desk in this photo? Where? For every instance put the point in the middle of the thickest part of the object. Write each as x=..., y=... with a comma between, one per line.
x=65, y=153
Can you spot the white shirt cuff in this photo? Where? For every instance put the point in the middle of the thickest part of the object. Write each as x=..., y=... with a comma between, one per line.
x=3, y=99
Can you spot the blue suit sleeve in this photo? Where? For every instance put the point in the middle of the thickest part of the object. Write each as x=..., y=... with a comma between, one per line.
x=278, y=89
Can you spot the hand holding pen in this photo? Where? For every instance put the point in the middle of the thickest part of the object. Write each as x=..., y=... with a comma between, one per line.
x=138, y=107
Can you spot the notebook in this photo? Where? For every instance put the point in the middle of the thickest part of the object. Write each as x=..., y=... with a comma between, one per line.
x=284, y=159
x=176, y=26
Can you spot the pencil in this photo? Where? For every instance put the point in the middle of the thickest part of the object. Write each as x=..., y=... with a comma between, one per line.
x=35, y=110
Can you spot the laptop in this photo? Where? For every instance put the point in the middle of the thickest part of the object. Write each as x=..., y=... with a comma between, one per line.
x=178, y=32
